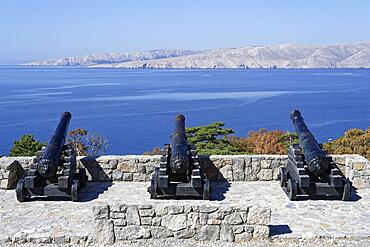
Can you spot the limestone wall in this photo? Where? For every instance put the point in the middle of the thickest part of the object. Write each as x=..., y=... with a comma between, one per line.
x=10, y=171
x=357, y=169
x=217, y=167
x=239, y=223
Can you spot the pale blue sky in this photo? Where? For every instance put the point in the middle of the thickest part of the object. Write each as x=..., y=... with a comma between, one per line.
x=41, y=29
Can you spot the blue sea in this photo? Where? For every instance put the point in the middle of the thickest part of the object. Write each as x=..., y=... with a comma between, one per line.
x=135, y=109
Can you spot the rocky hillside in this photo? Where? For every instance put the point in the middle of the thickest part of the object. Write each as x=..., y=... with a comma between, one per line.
x=355, y=55
x=113, y=58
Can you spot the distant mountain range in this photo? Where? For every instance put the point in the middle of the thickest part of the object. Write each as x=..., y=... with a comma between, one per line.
x=356, y=55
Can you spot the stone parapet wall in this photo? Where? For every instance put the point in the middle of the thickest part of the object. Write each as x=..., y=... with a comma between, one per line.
x=357, y=170
x=120, y=222
x=138, y=168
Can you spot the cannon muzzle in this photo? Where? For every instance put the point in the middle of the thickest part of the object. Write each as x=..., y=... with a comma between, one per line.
x=315, y=157
x=49, y=162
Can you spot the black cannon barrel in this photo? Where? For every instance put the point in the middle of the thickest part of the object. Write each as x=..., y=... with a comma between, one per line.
x=49, y=162
x=179, y=162
x=314, y=155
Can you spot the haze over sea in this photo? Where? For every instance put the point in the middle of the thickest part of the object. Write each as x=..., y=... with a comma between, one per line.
x=135, y=109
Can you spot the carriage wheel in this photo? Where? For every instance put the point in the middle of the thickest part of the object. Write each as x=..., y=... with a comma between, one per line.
x=82, y=176
x=74, y=190
x=346, y=191
x=154, y=183
x=292, y=189
x=20, y=191
x=206, y=189
x=283, y=176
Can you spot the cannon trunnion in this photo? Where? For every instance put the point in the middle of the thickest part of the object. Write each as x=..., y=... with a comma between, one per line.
x=179, y=174
x=310, y=172
x=54, y=172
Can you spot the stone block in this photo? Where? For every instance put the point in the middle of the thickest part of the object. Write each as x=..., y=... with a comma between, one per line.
x=275, y=173
x=127, y=166
x=104, y=232
x=259, y=215
x=238, y=229
x=132, y=215
x=185, y=233
x=265, y=175
x=4, y=184
x=203, y=218
x=147, y=212
x=141, y=168
x=156, y=221
x=132, y=232
x=234, y=219
x=261, y=232
x=248, y=161
x=144, y=159
x=174, y=222
x=358, y=183
x=176, y=209
x=256, y=166
x=161, y=210
x=121, y=208
x=120, y=222
x=208, y=232
x=188, y=209
x=226, y=233
x=158, y=232
x=243, y=237
x=250, y=174
x=219, y=215
x=117, y=215
x=359, y=166
x=101, y=212
x=193, y=220
x=238, y=169
x=127, y=177
x=265, y=164
x=208, y=208
x=146, y=221
x=117, y=175
x=243, y=214
x=140, y=177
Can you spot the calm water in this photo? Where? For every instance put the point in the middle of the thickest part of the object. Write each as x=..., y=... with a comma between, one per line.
x=134, y=109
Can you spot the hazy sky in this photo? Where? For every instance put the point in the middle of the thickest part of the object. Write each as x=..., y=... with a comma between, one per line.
x=41, y=29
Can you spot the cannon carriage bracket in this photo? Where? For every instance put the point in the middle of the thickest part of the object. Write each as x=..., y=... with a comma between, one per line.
x=299, y=183
x=193, y=185
x=66, y=183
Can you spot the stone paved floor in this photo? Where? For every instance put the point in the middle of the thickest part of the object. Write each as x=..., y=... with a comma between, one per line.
x=312, y=218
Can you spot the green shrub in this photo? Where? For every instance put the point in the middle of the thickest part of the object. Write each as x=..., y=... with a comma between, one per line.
x=25, y=146
x=211, y=139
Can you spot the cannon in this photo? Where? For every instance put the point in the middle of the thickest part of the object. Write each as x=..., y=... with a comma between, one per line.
x=54, y=172
x=310, y=172
x=179, y=174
